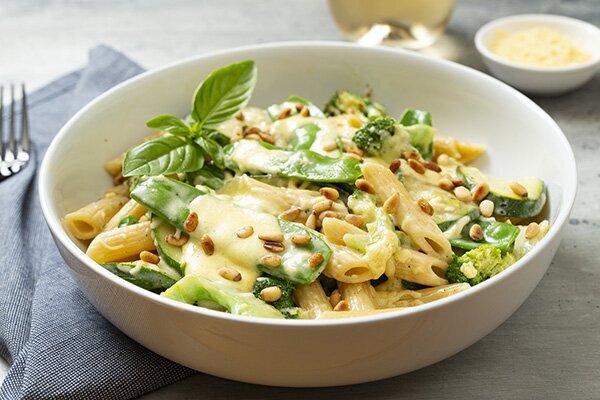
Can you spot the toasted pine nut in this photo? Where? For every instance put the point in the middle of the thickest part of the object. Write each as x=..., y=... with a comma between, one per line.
x=245, y=232
x=176, y=241
x=271, y=236
x=486, y=208
x=518, y=189
x=445, y=184
x=207, y=244
x=354, y=156
x=251, y=130
x=299, y=106
x=275, y=247
x=425, y=206
x=335, y=298
x=476, y=233
x=305, y=112
x=290, y=214
x=532, y=230
x=315, y=260
x=270, y=294
x=329, y=193
x=239, y=116
x=416, y=166
x=391, y=203
x=462, y=193
x=356, y=220
x=253, y=136
x=411, y=154
x=300, y=238
x=458, y=182
x=231, y=274
x=148, y=257
x=191, y=222
x=311, y=221
x=480, y=191
x=267, y=137
x=329, y=214
x=443, y=159
x=330, y=146
x=432, y=166
x=395, y=165
x=342, y=305
x=270, y=261
x=284, y=113
x=365, y=186
x=354, y=150
x=322, y=206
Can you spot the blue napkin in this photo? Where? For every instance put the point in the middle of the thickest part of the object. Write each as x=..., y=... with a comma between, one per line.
x=58, y=345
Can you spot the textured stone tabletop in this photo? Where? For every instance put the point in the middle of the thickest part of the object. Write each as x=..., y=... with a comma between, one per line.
x=549, y=349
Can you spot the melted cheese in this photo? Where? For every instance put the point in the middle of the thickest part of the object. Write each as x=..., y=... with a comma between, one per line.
x=251, y=157
x=253, y=116
x=328, y=132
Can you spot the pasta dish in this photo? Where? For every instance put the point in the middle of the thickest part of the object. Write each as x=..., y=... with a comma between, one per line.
x=294, y=211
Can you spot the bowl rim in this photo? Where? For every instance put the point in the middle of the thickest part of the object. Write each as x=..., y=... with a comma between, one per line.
x=60, y=234
x=499, y=22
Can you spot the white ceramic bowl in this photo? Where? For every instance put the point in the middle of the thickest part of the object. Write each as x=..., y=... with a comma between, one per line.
x=540, y=80
x=463, y=102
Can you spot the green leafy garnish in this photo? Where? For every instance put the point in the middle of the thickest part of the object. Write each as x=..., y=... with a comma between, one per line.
x=128, y=220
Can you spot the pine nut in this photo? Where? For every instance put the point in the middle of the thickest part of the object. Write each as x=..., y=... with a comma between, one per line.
x=291, y=214
x=253, y=136
x=475, y=232
x=299, y=106
x=315, y=260
x=148, y=257
x=443, y=159
x=329, y=214
x=480, y=191
x=518, y=189
x=329, y=193
x=425, y=206
x=230, y=274
x=458, y=182
x=270, y=294
x=270, y=261
x=300, y=238
x=432, y=166
x=191, y=222
x=356, y=220
x=207, y=244
x=305, y=112
x=391, y=203
x=267, y=137
x=342, y=305
x=239, y=116
x=275, y=247
x=416, y=166
x=532, y=230
x=365, y=186
x=311, y=221
x=330, y=146
x=271, y=236
x=252, y=130
x=395, y=165
x=353, y=156
x=411, y=154
x=486, y=208
x=445, y=184
x=462, y=193
x=354, y=150
x=335, y=298
x=176, y=241
x=284, y=113
x=323, y=205
x=245, y=232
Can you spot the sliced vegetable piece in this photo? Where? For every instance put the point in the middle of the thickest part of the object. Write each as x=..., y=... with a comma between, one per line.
x=144, y=275
x=497, y=234
x=170, y=254
x=410, y=116
x=303, y=137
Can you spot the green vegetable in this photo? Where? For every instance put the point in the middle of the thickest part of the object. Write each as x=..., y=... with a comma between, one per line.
x=407, y=285
x=345, y=102
x=497, y=234
x=421, y=138
x=144, y=275
x=506, y=202
x=303, y=137
x=290, y=103
x=209, y=176
x=485, y=262
x=222, y=94
x=164, y=155
x=194, y=289
x=382, y=137
x=166, y=198
x=410, y=116
x=285, y=304
x=128, y=220
x=172, y=255
x=258, y=158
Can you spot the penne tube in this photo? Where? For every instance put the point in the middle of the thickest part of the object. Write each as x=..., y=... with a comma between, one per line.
x=132, y=208
x=415, y=266
x=358, y=295
x=88, y=221
x=335, y=229
x=122, y=244
x=461, y=151
x=312, y=300
x=354, y=313
x=115, y=166
x=411, y=298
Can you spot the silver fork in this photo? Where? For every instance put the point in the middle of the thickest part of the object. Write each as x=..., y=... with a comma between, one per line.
x=13, y=155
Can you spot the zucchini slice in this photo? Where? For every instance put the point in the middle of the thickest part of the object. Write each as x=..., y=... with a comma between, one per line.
x=172, y=255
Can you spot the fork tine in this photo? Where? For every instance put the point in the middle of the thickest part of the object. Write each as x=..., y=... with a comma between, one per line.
x=11, y=148
x=1, y=124
x=24, y=145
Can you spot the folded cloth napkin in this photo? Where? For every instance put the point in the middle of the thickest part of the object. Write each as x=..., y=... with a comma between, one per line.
x=58, y=345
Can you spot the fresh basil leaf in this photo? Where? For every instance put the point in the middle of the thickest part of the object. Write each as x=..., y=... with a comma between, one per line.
x=213, y=149
x=165, y=155
x=218, y=137
x=223, y=93
x=169, y=123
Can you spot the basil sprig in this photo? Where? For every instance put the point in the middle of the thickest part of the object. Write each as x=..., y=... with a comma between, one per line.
x=222, y=94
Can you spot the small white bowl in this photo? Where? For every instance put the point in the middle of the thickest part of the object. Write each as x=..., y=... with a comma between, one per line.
x=542, y=80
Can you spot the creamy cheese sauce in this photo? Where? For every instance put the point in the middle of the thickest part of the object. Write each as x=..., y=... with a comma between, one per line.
x=454, y=231
x=251, y=157
x=253, y=116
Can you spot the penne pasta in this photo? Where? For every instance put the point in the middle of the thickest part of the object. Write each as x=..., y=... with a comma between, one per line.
x=132, y=208
x=312, y=300
x=459, y=150
x=415, y=266
x=88, y=221
x=335, y=229
x=122, y=244
x=410, y=298
x=358, y=295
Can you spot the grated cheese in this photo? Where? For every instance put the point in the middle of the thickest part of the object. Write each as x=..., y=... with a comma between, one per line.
x=540, y=47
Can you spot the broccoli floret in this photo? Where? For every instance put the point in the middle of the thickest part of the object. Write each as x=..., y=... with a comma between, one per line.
x=349, y=103
x=285, y=304
x=382, y=137
x=477, y=265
